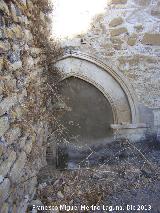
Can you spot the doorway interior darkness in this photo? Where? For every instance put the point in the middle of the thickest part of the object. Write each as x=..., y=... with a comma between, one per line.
x=90, y=112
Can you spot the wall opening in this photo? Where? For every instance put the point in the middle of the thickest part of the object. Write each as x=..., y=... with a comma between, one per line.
x=90, y=114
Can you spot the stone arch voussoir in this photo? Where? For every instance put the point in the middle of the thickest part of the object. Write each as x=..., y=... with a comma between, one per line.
x=110, y=82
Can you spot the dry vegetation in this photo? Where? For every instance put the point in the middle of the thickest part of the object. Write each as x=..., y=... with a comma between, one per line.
x=100, y=185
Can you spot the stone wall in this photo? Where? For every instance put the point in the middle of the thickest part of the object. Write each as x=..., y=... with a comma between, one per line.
x=126, y=37
x=24, y=127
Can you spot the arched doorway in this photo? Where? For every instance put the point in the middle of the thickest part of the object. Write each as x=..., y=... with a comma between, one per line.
x=112, y=84
x=90, y=114
x=101, y=100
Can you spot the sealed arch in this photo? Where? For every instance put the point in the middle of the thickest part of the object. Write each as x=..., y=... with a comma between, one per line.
x=91, y=114
x=111, y=83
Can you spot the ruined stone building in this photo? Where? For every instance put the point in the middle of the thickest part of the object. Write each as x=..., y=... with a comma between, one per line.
x=119, y=55
x=111, y=74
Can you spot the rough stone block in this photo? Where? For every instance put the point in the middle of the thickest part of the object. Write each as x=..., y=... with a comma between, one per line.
x=16, y=171
x=119, y=1
x=4, y=7
x=14, y=12
x=151, y=39
x=7, y=103
x=17, y=32
x=116, y=40
x=13, y=135
x=116, y=21
x=1, y=87
x=156, y=11
x=17, y=113
x=22, y=96
x=8, y=33
x=132, y=40
x=4, y=47
x=4, y=125
x=24, y=2
x=13, y=56
x=4, y=190
x=1, y=151
x=1, y=63
x=118, y=31
x=17, y=65
x=143, y=3
x=28, y=146
x=11, y=84
x=6, y=165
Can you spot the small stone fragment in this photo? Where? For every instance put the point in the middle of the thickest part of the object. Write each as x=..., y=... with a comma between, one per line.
x=60, y=195
x=138, y=27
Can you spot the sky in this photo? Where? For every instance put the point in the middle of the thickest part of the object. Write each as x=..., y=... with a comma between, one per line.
x=73, y=17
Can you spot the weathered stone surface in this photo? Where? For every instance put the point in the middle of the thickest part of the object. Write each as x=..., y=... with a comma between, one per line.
x=18, y=45
x=138, y=27
x=11, y=84
x=6, y=165
x=116, y=21
x=1, y=151
x=4, y=7
x=14, y=12
x=1, y=87
x=16, y=65
x=118, y=31
x=15, y=173
x=156, y=11
x=1, y=63
x=22, y=142
x=4, y=47
x=18, y=33
x=4, y=190
x=22, y=96
x=28, y=146
x=119, y=1
x=151, y=39
x=5, y=208
x=1, y=179
x=8, y=33
x=7, y=103
x=116, y=40
x=13, y=135
x=4, y=125
x=142, y=2
x=132, y=40
x=17, y=113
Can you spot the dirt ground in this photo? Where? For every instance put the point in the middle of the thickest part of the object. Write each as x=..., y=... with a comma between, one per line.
x=126, y=182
